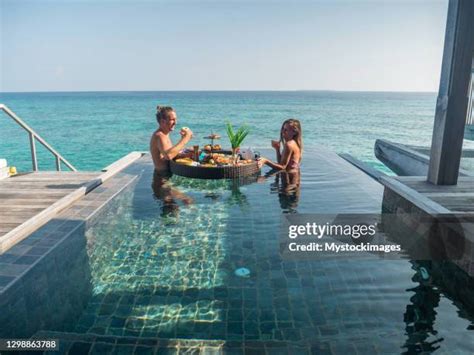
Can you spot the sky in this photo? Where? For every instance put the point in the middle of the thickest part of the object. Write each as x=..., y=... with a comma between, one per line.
x=141, y=45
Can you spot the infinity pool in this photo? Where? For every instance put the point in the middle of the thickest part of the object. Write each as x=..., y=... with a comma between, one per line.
x=163, y=259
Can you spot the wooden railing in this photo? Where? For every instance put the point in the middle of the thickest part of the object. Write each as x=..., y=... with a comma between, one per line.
x=33, y=136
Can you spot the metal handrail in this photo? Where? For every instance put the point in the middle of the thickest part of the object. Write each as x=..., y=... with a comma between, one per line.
x=470, y=102
x=470, y=116
x=36, y=137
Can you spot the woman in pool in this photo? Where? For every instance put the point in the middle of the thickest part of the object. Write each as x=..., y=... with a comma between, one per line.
x=291, y=138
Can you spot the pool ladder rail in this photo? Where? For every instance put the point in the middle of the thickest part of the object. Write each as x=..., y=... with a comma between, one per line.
x=33, y=136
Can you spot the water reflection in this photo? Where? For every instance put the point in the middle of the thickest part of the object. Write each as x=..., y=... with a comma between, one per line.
x=441, y=250
x=420, y=315
x=227, y=191
x=164, y=191
x=288, y=187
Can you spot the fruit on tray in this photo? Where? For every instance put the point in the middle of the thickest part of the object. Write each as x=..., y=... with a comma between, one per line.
x=185, y=161
x=222, y=160
x=213, y=160
x=217, y=158
x=209, y=147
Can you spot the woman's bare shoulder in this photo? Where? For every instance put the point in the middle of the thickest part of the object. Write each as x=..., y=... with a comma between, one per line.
x=291, y=145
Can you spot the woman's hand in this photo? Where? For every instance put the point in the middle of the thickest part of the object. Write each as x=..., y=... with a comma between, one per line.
x=276, y=145
x=261, y=162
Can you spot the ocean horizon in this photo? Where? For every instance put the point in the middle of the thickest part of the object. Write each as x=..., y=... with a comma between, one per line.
x=216, y=90
x=92, y=129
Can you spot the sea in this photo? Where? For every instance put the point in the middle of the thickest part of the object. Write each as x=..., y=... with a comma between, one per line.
x=93, y=129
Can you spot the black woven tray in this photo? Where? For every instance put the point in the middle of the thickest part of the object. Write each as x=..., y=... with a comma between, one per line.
x=217, y=172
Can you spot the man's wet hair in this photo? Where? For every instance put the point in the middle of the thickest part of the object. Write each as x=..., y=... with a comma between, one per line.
x=162, y=112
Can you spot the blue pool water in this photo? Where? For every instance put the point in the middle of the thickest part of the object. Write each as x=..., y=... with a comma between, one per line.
x=93, y=129
x=162, y=266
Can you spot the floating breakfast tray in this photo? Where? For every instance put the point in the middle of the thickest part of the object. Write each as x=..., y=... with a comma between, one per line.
x=214, y=172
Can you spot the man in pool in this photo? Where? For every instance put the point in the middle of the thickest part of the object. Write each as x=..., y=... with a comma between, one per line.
x=162, y=151
x=161, y=148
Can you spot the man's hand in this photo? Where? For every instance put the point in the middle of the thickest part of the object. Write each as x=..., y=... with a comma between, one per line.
x=186, y=134
x=185, y=154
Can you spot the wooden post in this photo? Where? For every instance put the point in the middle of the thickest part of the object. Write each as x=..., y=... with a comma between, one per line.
x=452, y=102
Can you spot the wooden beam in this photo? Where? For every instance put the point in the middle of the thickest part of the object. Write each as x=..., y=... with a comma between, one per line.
x=452, y=102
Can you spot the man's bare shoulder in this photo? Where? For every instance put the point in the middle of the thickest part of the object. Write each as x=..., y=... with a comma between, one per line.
x=158, y=134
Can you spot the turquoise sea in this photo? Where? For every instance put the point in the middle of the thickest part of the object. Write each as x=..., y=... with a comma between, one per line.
x=92, y=129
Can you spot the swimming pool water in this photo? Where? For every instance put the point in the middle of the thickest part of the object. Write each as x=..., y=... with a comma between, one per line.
x=163, y=266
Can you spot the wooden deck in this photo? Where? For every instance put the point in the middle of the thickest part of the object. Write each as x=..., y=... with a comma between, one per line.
x=24, y=196
x=435, y=199
x=457, y=199
x=440, y=216
x=28, y=201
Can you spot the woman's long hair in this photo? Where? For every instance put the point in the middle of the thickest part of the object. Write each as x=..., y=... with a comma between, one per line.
x=298, y=138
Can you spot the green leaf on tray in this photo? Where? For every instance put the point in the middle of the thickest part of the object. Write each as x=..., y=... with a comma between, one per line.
x=236, y=138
